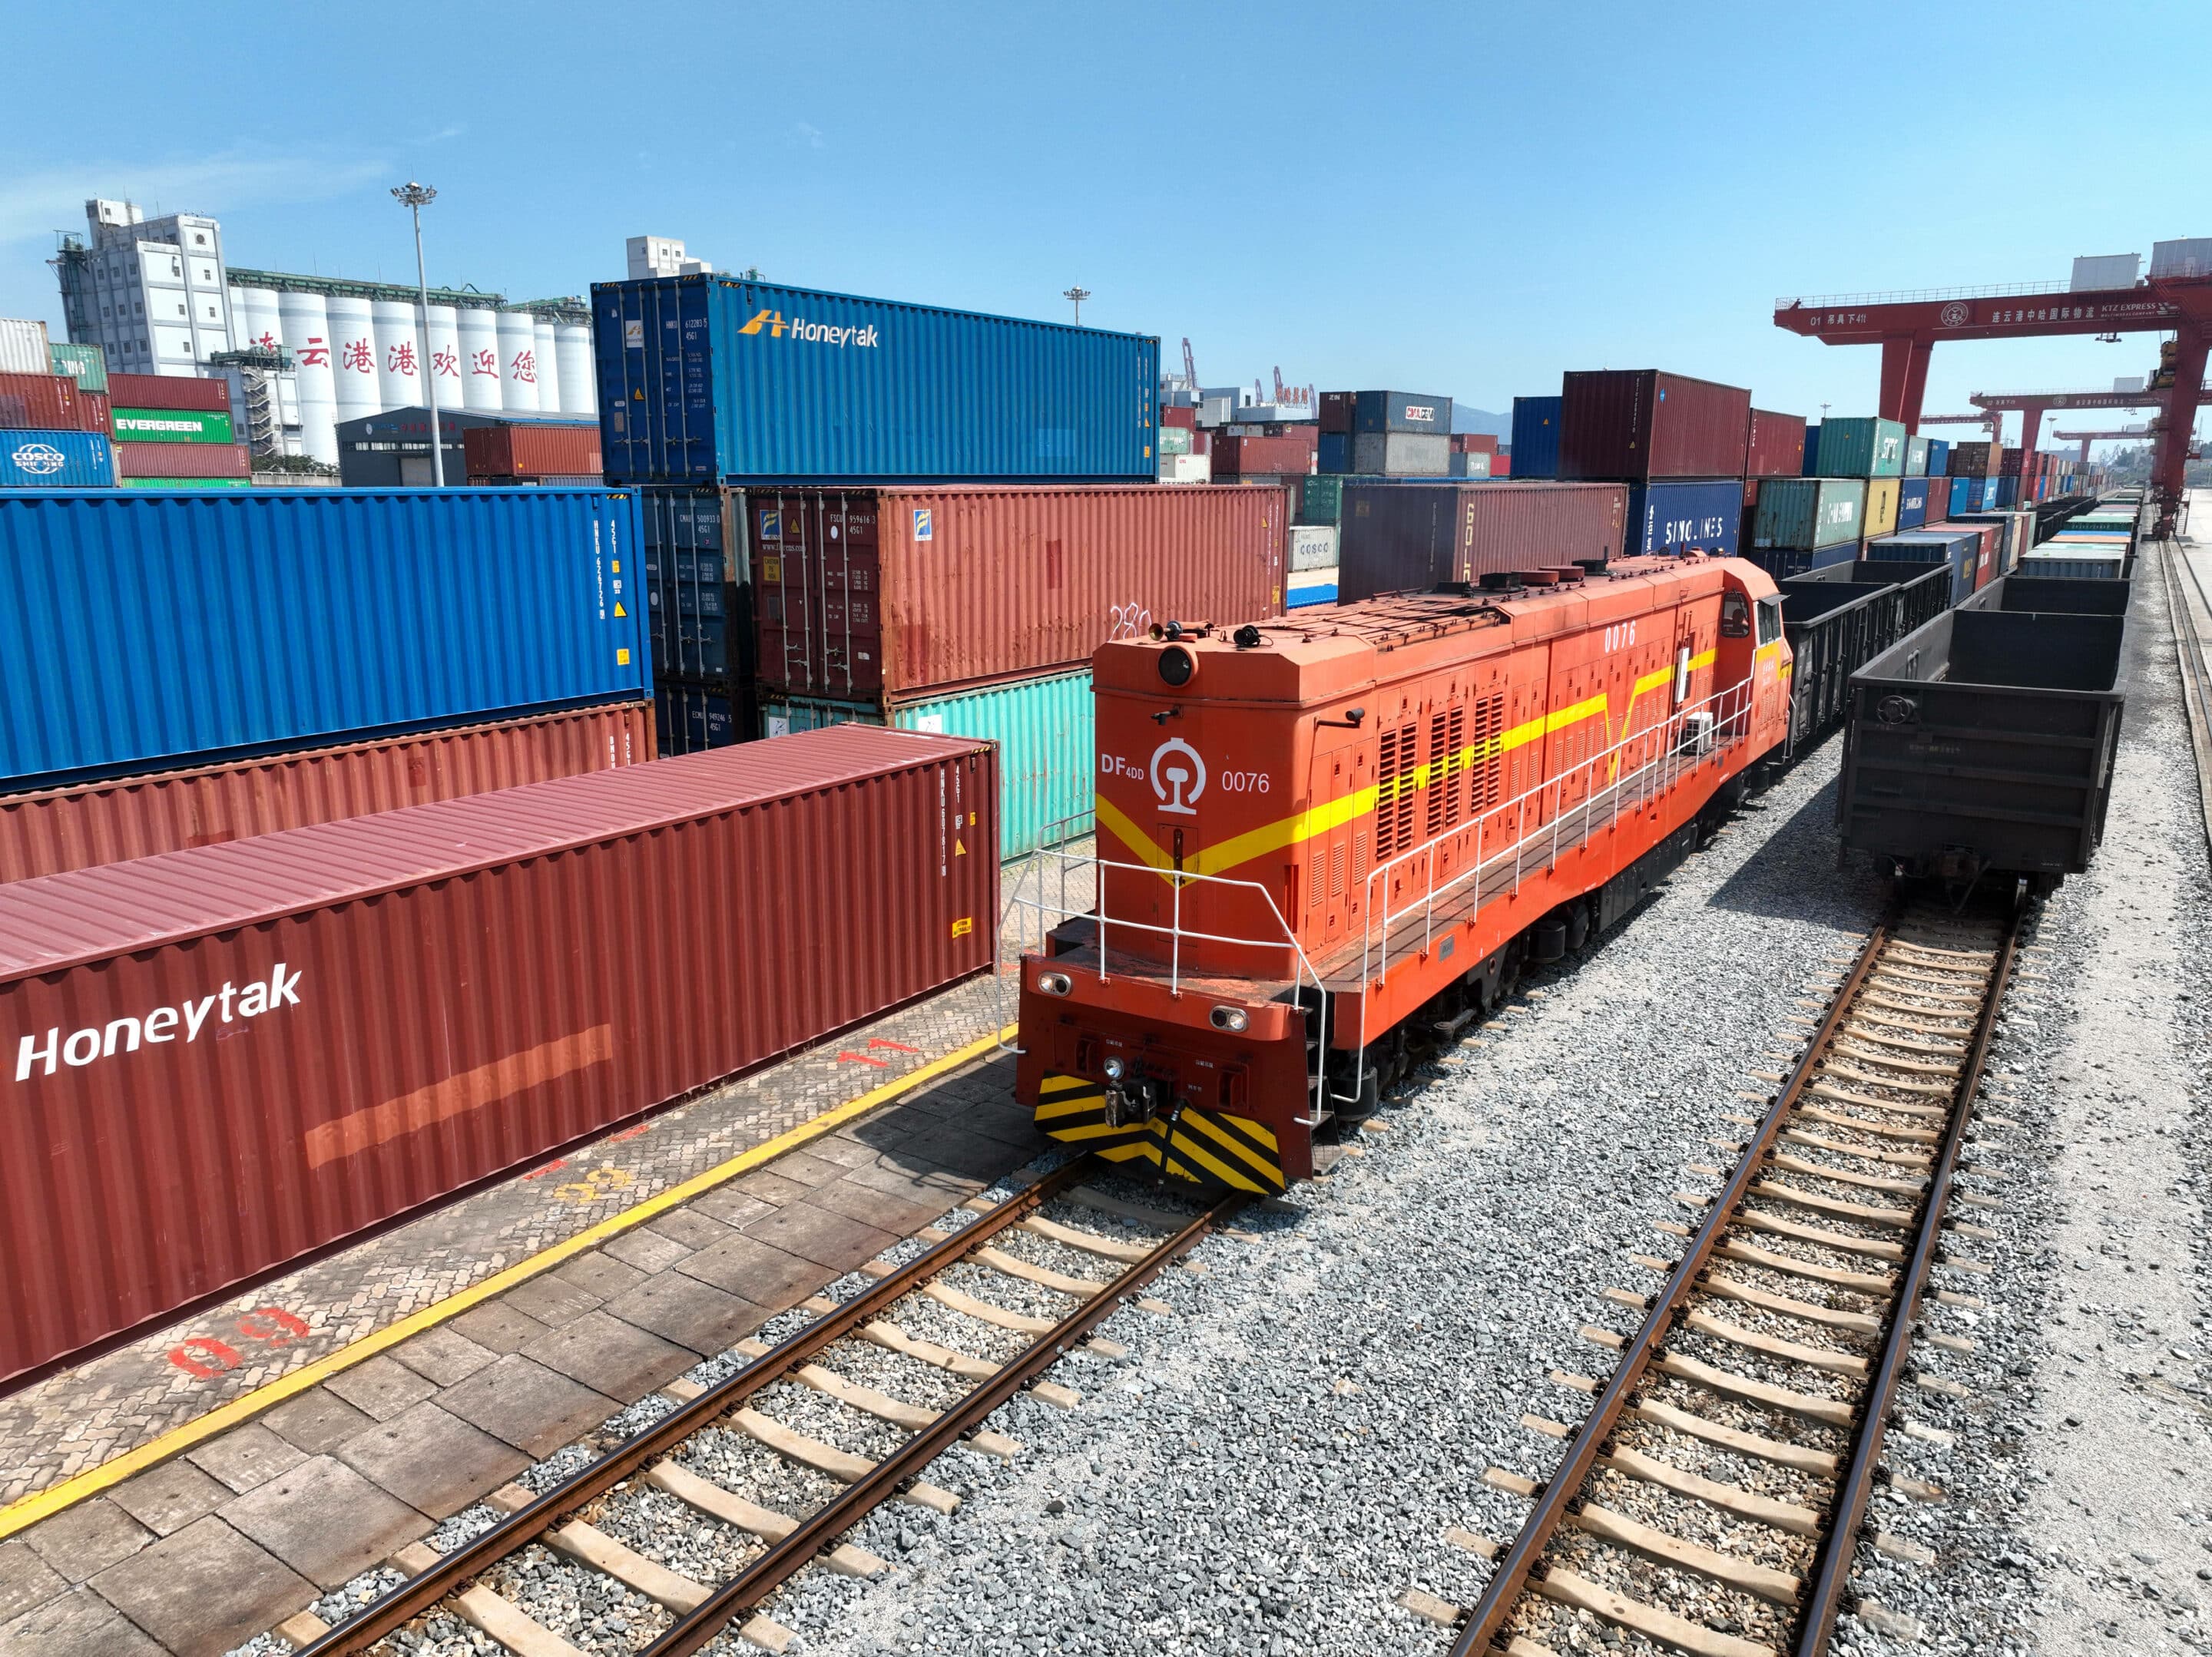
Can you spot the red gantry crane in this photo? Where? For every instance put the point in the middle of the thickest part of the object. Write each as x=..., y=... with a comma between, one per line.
x=2136, y=434
x=2031, y=406
x=1907, y=326
x=1991, y=423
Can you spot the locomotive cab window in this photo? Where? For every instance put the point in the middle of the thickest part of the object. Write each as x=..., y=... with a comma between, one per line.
x=1735, y=616
x=1770, y=620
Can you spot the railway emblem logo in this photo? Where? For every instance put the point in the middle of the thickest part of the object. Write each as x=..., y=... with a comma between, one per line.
x=1953, y=315
x=40, y=459
x=1169, y=779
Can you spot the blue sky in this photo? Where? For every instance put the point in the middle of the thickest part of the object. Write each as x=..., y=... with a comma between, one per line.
x=1465, y=199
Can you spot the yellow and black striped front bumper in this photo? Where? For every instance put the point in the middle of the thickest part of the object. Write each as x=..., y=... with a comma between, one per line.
x=1211, y=1149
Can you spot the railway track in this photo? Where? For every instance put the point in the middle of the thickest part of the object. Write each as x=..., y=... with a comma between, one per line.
x=1713, y=1498
x=665, y=1493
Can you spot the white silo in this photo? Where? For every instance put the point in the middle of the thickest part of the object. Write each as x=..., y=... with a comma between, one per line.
x=353, y=357
x=480, y=374
x=399, y=365
x=548, y=368
x=580, y=378
x=447, y=367
x=257, y=318
x=307, y=328
x=518, y=362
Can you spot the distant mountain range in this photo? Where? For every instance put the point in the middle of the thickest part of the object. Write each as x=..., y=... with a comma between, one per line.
x=1467, y=418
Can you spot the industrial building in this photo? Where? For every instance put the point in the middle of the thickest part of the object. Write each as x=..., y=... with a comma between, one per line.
x=391, y=448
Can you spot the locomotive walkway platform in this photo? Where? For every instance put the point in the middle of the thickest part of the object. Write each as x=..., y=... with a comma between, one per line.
x=185, y=1491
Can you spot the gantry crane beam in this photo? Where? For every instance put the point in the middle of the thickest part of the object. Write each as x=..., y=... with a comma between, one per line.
x=1990, y=423
x=2085, y=438
x=2032, y=406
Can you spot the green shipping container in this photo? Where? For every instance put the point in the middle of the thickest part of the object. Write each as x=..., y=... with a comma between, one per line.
x=185, y=482
x=85, y=364
x=1175, y=440
x=1916, y=457
x=1321, y=503
x=1808, y=514
x=1866, y=447
x=171, y=426
x=1043, y=727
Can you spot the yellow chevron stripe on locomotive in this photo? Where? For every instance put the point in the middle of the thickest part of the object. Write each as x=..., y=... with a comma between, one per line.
x=1209, y=1148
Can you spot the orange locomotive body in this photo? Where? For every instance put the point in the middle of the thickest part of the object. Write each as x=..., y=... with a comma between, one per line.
x=1317, y=832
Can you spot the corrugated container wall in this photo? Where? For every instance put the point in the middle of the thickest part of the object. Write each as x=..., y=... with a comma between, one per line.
x=1808, y=513
x=24, y=347
x=257, y=621
x=533, y=448
x=1911, y=503
x=56, y=460
x=1881, y=504
x=698, y=584
x=1678, y=516
x=52, y=403
x=1915, y=456
x=1972, y=459
x=183, y=460
x=585, y=950
x=1862, y=448
x=1400, y=454
x=168, y=392
x=689, y=718
x=1939, y=457
x=868, y=594
x=1644, y=422
x=1241, y=457
x=1535, y=437
x=707, y=378
x=54, y=830
x=1420, y=412
x=85, y=364
x=1775, y=447
x=1413, y=538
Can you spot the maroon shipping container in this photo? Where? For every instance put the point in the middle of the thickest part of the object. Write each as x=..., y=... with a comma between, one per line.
x=1336, y=410
x=220, y=1059
x=1644, y=422
x=53, y=831
x=868, y=592
x=531, y=449
x=183, y=460
x=1971, y=459
x=1290, y=454
x=169, y=391
x=50, y=403
x=1473, y=443
x=2008, y=463
x=1186, y=418
x=1412, y=537
x=1501, y=466
x=1776, y=445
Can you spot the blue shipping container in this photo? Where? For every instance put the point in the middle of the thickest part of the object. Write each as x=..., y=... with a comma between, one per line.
x=698, y=593
x=1812, y=466
x=1536, y=436
x=1963, y=493
x=1311, y=587
x=1990, y=493
x=2008, y=492
x=1939, y=456
x=1335, y=454
x=706, y=380
x=1962, y=552
x=1912, y=503
x=1674, y=516
x=56, y=460
x=691, y=718
x=1779, y=562
x=147, y=629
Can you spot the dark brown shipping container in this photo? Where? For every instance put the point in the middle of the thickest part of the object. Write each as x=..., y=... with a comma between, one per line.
x=2008, y=463
x=1644, y=422
x=183, y=460
x=51, y=403
x=220, y=1059
x=1292, y=453
x=1970, y=459
x=58, y=830
x=531, y=449
x=1776, y=446
x=1186, y=418
x=1336, y=410
x=863, y=593
x=169, y=391
x=1473, y=443
x=1412, y=537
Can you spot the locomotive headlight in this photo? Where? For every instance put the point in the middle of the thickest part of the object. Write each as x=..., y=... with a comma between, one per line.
x=1228, y=1019
x=1115, y=1068
x=1054, y=983
x=1177, y=666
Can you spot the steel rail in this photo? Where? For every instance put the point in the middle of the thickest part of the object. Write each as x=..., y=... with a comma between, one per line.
x=1839, y=1547
x=386, y=1616
x=1485, y=1624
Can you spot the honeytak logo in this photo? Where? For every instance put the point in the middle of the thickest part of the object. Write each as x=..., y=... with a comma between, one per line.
x=40, y=459
x=817, y=333
x=37, y=1055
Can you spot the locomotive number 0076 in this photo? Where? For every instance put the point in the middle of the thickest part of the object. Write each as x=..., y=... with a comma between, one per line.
x=1245, y=782
x=1620, y=634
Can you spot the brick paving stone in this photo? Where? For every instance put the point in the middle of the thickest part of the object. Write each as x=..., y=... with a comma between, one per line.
x=614, y=1358
x=169, y=1497
x=497, y=1328
x=690, y=1227
x=26, y=1579
x=443, y=1355
x=816, y=1234
x=79, y=1622
x=524, y=1404
x=692, y=1313
x=760, y=1273
x=204, y=1590
x=86, y=1539
x=434, y=1462
x=326, y=1521
x=245, y=1457
x=646, y=1249
x=731, y=1207
x=381, y=1387
x=598, y=1275
x=318, y=1420
x=550, y=1301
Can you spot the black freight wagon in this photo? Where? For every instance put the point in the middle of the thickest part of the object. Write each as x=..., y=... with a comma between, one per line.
x=1838, y=619
x=2056, y=595
x=1983, y=743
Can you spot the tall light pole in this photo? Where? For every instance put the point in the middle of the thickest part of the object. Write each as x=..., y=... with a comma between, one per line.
x=1079, y=295
x=415, y=197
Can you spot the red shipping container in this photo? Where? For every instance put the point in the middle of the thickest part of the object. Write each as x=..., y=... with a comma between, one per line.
x=1290, y=454
x=220, y=1059
x=57, y=829
x=867, y=592
x=531, y=449
x=169, y=391
x=1501, y=466
x=2008, y=463
x=1775, y=447
x=1336, y=410
x=1473, y=443
x=1637, y=423
x=1186, y=418
x=1413, y=538
x=183, y=460
x=51, y=403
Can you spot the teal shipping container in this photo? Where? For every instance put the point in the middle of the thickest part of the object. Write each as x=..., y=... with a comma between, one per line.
x=1864, y=447
x=1043, y=727
x=1808, y=513
x=1916, y=457
x=85, y=364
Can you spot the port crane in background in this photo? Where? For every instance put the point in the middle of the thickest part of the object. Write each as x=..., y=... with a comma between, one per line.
x=2032, y=406
x=1190, y=366
x=2133, y=433
x=1909, y=325
x=1991, y=423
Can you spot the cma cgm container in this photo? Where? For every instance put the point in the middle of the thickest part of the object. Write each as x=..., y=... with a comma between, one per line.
x=709, y=378
x=1774, y=446
x=1674, y=516
x=1862, y=448
x=1044, y=730
x=867, y=595
x=1421, y=412
x=56, y=460
x=1808, y=513
x=1644, y=422
x=254, y=1021
x=1413, y=538
x=54, y=830
x=1535, y=443
x=255, y=621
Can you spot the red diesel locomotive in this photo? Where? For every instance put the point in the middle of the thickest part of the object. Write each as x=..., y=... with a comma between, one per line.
x=1317, y=832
